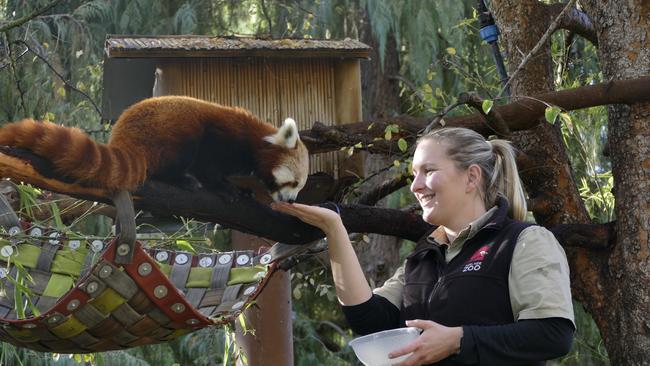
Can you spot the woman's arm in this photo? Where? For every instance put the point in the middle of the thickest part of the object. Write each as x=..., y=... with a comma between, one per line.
x=372, y=316
x=349, y=280
x=513, y=344
x=522, y=342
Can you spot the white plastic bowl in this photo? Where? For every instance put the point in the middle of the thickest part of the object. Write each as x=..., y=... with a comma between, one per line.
x=373, y=349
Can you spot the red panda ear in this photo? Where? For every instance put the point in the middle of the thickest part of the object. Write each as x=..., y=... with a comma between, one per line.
x=287, y=136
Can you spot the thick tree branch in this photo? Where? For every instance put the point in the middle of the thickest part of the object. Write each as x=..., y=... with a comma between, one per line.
x=493, y=118
x=235, y=209
x=576, y=21
x=231, y=208
x=590, y=236
x=521, y=114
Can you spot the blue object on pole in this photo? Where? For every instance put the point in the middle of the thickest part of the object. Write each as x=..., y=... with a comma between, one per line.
x=490, y=33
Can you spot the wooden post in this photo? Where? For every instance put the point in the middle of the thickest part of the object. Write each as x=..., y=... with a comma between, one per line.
x=269, y=318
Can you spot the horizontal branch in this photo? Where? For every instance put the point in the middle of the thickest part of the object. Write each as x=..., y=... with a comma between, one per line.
x=590, y=236
x=231, y=208
x=237, y=210
x=522, y=114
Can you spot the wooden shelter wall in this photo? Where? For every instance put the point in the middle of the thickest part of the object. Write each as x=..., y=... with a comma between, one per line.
x=276, y=89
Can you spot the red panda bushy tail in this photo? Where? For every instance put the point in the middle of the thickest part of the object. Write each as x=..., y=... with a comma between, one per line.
x=76, y=155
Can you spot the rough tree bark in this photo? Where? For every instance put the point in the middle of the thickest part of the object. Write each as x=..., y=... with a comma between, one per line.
x=620, y=301
x=613, y=283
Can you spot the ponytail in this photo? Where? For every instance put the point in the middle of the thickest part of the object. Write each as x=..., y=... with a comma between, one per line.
x=505, y=179
x=496, y=159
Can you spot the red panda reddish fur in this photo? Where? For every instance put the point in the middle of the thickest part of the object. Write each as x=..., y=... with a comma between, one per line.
x=161, y=137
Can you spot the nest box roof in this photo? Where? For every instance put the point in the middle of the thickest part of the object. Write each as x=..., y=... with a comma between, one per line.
x=211, y=46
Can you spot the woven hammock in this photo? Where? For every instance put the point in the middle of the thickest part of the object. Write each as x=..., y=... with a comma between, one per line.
x=94, y=295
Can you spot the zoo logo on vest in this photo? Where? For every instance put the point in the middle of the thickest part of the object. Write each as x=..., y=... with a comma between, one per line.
x=474, y=263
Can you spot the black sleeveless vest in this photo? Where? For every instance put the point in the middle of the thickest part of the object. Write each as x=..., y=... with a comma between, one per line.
x=472, y=289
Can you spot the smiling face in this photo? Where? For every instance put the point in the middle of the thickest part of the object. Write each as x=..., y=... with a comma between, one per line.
x=439, y=186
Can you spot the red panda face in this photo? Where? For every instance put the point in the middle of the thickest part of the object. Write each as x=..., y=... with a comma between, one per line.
x=291, y=170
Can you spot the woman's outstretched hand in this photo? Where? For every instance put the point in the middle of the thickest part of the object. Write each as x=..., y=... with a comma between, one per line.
x=436, y=343
x=323, y=218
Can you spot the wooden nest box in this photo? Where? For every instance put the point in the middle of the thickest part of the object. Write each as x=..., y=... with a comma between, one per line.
x=307, y=80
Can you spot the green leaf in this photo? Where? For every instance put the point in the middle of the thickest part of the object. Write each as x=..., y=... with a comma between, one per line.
x=242, y=322
x=296, y=293
x=56, y=214
x=551, y=113
x=185, y=245
x=487, y=106
x=390, y=130
x=402, y=144
x=359, y=145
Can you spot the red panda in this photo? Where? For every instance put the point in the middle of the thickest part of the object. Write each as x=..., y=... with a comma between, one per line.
x=171, y=139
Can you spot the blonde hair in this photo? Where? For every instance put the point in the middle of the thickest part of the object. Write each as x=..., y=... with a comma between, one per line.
x=496, y=158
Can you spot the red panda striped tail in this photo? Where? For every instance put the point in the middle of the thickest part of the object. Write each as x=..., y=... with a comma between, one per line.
x=76, y=155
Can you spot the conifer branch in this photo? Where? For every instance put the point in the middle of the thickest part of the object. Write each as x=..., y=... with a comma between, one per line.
x=26, y=18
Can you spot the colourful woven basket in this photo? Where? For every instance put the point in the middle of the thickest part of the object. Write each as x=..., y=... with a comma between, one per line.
x=90, y=298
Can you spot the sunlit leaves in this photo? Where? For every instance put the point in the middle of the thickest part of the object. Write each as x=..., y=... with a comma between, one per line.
x=551, y=113
x=487, y=106
x=390, y=130
x=402, y=144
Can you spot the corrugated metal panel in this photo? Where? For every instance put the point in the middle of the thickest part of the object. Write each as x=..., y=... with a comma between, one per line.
x=271, y=89
x=205, y=46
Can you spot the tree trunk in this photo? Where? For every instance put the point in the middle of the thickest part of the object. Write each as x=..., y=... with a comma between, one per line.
x=550, y=172
x=613, y=284
x=548, y=177
x=623, y=316
x=380, y=257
